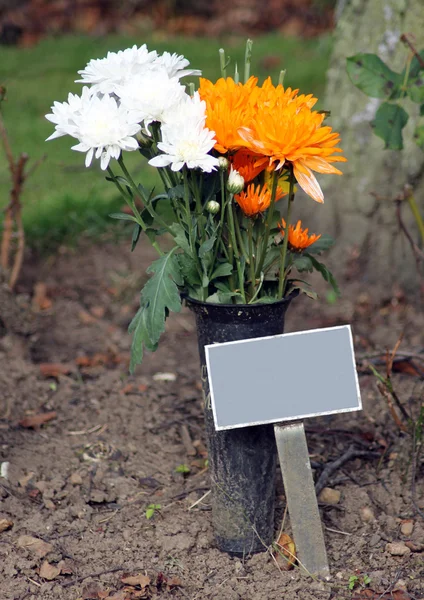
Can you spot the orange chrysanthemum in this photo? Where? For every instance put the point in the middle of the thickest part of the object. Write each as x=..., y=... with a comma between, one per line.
x=256, y=200
x=229, y=106
x=298, y=237
x=285, y=129
x=248, y=164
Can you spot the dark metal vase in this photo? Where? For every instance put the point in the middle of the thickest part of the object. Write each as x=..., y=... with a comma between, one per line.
x=242, y=462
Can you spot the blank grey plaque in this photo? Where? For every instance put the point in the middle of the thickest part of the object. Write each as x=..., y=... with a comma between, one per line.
x=283, y=377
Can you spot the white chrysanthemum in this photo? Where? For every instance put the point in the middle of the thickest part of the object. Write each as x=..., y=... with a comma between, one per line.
x=64, y=113
x=102, y=127
x=106, y=74
x=151, y=95
x=174, y=65
x=186, y=141
x=189, y=108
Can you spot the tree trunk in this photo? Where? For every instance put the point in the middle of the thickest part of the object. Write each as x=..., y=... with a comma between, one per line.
x=359, y=209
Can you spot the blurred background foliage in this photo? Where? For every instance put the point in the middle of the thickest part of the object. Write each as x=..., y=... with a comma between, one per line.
x=45, y=42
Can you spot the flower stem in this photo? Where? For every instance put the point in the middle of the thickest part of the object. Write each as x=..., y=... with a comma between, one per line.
x=268, y=224
x=230, y=250
x=252, y=259
x=247, y=59
x=236, y=250
x=189, y=223
x=220, y=228
x=282, y=274
x=137, y=192
x=130, y=201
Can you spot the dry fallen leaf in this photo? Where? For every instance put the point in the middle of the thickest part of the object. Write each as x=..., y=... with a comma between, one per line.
x=40, y=300
x=136, y=580
x=35, y=421
x=5, y=524
x=173, y=582
x=98, y=311
x=48, y=571
x=127, y=389
x=368, y=594
x=35, y=545
x=86, y=318
x=285, y=554
x=91, y=591
x=55, y=369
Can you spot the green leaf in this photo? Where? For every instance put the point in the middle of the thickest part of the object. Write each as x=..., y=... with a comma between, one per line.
x=271, y=257
x=176, y=192
x=221, y=298
x=161, y=294
x=372, y=76
x=419, y=136
x=305, y=290
x=123, y=217
x=327, y=275
x=389, y=121
x=207, y=246
x=188, y=269
x=180, y=238
x=324, y=243
x=222, y=270
x=140, y=339
x=149, y=513
x=302, y=263
x=135, y=236
x=415, y=90
x=205, y=280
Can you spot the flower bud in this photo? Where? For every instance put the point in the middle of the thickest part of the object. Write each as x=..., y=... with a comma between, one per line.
x=144, y=141
x=235, y=183
x=223, y=163
x=213, y=207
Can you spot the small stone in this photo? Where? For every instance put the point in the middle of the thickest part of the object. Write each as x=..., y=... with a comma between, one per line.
x=400, y=585
x=75, y=479
x=375, y=538
x=407, y=527
x=329, y=496
x=49, y=504
x=98, y=496
x=367, y=514
x=26, y=480
x=164, y=377
x=397, y=549
x=5, y=524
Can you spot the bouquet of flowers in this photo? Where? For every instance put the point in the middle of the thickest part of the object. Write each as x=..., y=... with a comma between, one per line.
x=226, y=154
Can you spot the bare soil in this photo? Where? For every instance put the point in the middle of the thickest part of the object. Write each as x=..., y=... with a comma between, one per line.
x=83, y=480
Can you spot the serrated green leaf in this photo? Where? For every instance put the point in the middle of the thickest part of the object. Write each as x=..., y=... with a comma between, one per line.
x=207, y=246
x=140, y=338
x=324, y=243
x=222, y=270
x=302, y=263
x=161, y=294
x=188, y=269
x=123, y=217
x=389, y=121
x=135, y=236
x=372, y=76
x=327, y=275
x=180, y=238
x=176, y=192
x=415, y=89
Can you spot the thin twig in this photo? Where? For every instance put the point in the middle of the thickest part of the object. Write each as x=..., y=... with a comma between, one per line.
x=97, y=574
x=332, y=467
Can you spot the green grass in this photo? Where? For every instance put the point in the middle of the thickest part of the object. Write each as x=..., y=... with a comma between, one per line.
x=63, y=198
